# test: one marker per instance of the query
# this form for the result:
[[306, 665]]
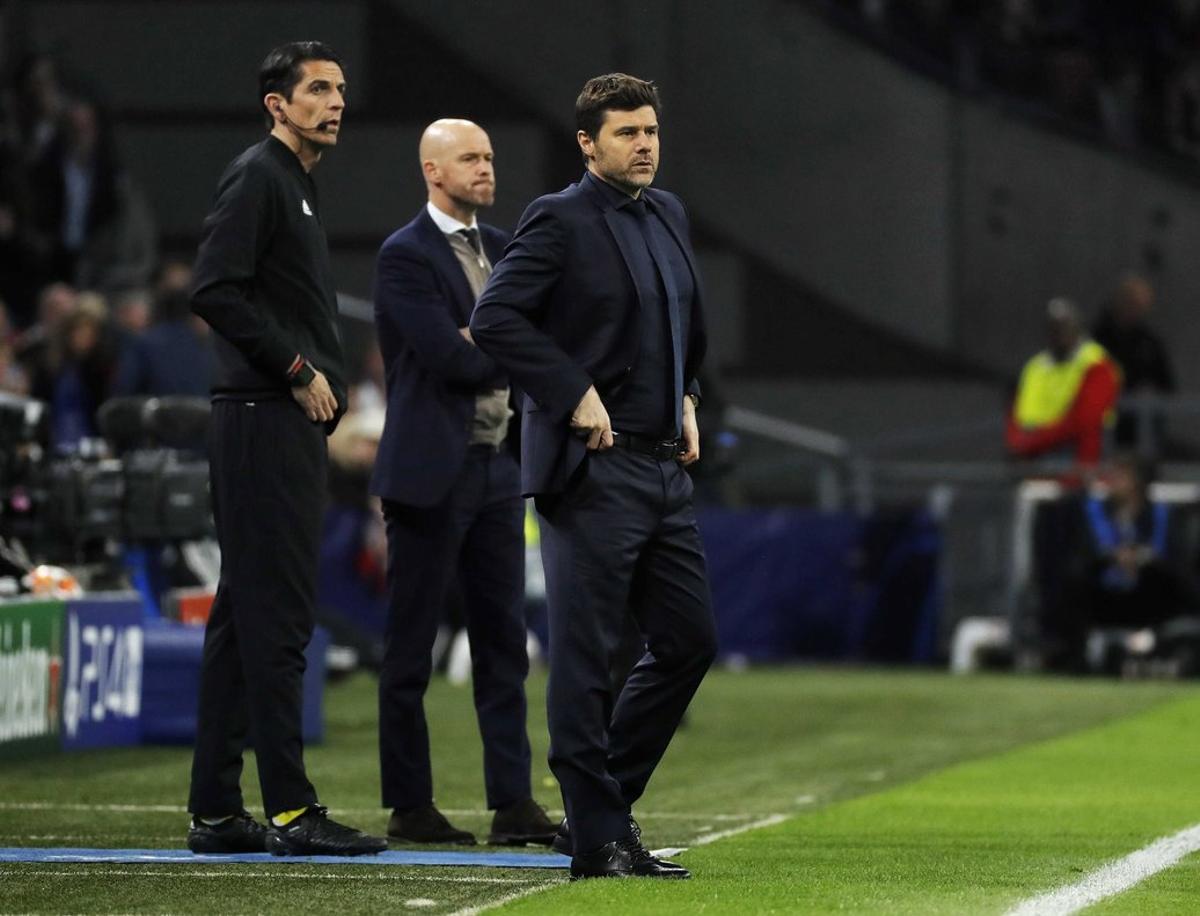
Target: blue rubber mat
[[183, 857]]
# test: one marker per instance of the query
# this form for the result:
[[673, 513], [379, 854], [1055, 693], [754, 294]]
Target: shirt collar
[[448, 224], [285, 154], [615, 197]]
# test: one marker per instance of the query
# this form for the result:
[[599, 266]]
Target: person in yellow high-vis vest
[[1066, 394]]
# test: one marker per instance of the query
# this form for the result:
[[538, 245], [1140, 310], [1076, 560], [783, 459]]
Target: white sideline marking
[[232, 873], [669, 851], [558, 813], [507, 898], [734, 831], [1113, 878], [452, 812]]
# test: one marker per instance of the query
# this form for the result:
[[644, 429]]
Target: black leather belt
[[661, 449]]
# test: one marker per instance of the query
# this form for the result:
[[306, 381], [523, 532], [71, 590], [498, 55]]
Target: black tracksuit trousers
[[268, 471]]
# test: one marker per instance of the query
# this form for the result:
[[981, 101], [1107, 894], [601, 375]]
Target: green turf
[[1169, 893], [975, 838], [789, 741]]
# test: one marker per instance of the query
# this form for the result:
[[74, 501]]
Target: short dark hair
[[283, 66], [612, 92], [1143, 468]]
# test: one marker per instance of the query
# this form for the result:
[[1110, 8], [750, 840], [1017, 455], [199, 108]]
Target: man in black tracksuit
[[263, 281]]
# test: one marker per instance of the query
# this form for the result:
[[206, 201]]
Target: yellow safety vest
[[1048, 388]]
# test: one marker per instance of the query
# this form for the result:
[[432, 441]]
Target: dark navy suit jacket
[[422, 298], [561, 311]]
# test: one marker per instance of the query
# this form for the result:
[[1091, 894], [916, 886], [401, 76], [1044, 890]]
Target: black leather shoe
[[240, 833], [609, 861], [522, 823], [426, 825], [313, 833], [562, 840], [644, 864]]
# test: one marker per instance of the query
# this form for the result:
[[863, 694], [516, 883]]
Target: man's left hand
[[691, 434]]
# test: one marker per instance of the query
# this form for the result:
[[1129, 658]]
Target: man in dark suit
[[595, 312], [451, 498]]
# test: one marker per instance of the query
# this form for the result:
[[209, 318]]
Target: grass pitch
[[900, 792]]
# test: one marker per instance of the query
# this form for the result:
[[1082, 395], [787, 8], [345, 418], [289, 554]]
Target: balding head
[[456, 159], [442, 136]]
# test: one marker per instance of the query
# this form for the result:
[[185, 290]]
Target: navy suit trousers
[[477, 533], [622, 539]]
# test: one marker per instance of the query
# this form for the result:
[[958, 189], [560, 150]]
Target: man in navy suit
[[451, 498], [596, 313]]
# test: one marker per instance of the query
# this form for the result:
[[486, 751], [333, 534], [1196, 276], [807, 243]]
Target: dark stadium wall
[[873, 207], [939, 218]]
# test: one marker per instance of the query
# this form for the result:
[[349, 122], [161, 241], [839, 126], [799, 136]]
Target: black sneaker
[[426, 825], [522, 823], [313, 833], [240, 833]]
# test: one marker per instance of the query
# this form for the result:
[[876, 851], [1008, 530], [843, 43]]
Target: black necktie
[[671, 289], [472, 237]]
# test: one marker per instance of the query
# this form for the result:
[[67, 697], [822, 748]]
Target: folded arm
[[409, 303]]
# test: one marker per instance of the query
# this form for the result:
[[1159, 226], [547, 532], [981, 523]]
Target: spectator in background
[[32, 110], [174, 277], [1066, 393], [1123, 329], [39, 103], [54, 303], [173, 357], [77, 373], [74, 183], [1129, 569], [13, 379], [95, 224], [133, 312]]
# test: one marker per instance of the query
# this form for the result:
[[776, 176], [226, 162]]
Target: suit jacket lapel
[[697, 324], [492, 247], [624, 235], [446, 262], [682, 242]]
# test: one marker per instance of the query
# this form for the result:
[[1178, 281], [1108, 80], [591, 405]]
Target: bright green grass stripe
[[1173, 892], [754, 743], [975, 838]]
